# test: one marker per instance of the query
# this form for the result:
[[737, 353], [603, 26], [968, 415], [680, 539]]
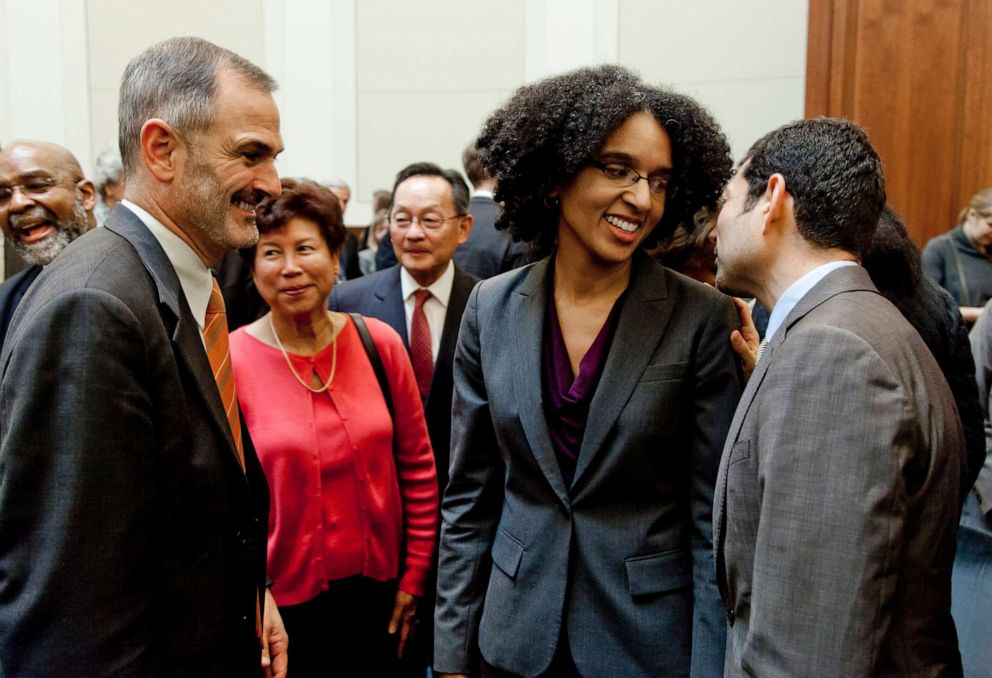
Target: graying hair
[[108, 168], [336, 183], [175, 81]]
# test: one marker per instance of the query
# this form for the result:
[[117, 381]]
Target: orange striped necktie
[[219, 354]]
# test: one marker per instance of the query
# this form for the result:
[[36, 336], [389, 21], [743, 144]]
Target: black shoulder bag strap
[[380, 370]]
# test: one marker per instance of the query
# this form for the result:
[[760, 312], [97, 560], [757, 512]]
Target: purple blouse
[[566, 399]]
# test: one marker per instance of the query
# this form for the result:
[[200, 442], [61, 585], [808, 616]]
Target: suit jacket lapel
[[846, 279], [460, 291], [389, 293], [643, 318], [186, 339], [528, 307]]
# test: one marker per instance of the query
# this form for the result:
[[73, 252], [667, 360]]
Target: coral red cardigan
[[342, 502]]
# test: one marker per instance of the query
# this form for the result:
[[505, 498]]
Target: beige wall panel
[[234, 24], [395, 129], [439, 45], [673, 41], [747, 109]]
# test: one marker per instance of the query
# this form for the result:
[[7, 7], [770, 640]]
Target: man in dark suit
[[487, 252], [45, 203], [429, 220], [133, 510], [838, 495]]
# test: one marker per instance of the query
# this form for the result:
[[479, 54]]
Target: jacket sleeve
[[470, 509], [76, 491], [716, 392], [414, 462]]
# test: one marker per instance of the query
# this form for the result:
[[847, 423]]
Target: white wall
[[367, 86]]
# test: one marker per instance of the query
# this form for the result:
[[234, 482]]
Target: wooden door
[[916, 74]]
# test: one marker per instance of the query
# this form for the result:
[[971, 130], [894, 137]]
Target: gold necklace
[[334, 360]]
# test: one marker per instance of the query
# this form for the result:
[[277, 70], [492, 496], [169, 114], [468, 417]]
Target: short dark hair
[[474, 170], [832, 173], [892, 260], [176, 80], [305, 200], [459, 189], [547, 132]]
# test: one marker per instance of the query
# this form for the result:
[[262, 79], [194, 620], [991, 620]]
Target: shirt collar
[[441, 289], [194, 277], [479, 193], [797, 291]]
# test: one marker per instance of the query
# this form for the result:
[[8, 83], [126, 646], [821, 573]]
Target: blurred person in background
[[45, 204], [109, 179], [373, 236], [960, 260]]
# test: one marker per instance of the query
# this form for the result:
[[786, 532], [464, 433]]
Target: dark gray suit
[[488, 252], [837, 504], [380, 295], [619, 560], [131, 541]]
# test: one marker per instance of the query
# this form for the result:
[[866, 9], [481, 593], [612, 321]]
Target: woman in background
[[354, 496], [960, 260]]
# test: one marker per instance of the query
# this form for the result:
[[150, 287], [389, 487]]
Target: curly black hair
[[540, 139]]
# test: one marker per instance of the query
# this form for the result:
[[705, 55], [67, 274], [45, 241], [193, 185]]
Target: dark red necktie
[[420, 344]]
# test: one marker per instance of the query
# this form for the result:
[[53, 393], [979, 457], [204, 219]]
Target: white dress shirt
[[796, 291], [194, 276], [436, 306]]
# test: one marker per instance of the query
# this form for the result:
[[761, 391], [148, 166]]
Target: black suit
[[380, 296], [131, 541], [11, 292], [488, 252]]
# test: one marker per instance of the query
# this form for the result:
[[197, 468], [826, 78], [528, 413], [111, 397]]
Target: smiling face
[[605, 220], [294, 269], [424, 252], [51, 205], [978, 227], [229, 168]]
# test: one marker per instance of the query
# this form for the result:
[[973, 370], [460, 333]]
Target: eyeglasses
[[429, 222], [622, 175], [33, 188]]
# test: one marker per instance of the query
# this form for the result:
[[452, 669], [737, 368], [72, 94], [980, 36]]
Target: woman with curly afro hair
[[593, 393]]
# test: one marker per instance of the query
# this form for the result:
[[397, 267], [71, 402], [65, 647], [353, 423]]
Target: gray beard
[[44, 253]]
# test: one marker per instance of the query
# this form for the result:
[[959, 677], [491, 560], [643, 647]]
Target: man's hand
[[745, 340], [275, 642], [402, 620]]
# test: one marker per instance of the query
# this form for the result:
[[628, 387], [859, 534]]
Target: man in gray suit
[[838, 495], [133, 510]]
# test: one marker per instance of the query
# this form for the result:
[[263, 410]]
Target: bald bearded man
[[45, 204]]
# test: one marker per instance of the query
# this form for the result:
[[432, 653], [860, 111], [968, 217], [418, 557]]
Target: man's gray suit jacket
[[837, 503], [619, 559], [131, 541]]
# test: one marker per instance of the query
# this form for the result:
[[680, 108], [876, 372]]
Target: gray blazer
[[618, 560], [837, 503]]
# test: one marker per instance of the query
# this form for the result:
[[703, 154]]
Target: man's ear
[[465, 228], [160, 146], [778, 202], [88, 191]]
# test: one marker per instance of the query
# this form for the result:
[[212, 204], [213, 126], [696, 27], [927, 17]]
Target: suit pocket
[[741, 451], [507, 553], [658, 572], [665, 372]]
